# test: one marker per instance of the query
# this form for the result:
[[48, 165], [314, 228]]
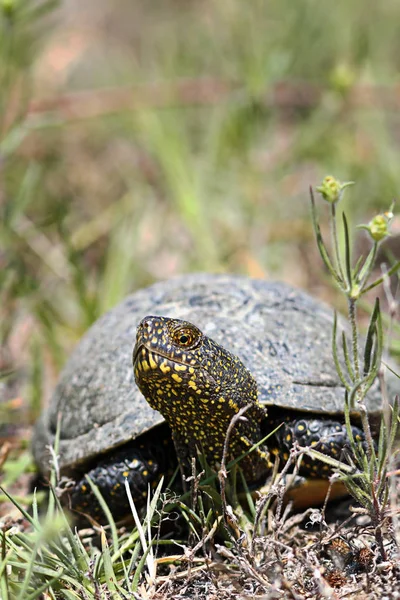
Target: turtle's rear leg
[[328, 436]]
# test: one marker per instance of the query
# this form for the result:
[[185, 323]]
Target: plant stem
[[377, 519], [354, 337], [366, 427]]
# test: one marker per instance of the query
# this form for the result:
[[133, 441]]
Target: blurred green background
[[140, 140]]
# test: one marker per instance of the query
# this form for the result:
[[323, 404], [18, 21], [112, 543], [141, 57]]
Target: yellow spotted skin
[[198, 387], [326, 435]]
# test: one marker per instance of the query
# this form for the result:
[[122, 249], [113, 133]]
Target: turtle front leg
[[325, 435], [140, 464]]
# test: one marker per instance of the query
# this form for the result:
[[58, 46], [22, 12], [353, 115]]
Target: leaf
[[335, 354], [347, 252], [371, 334], [320, 242], [347, 357], [394, 424], [367, 267], [391, 272]]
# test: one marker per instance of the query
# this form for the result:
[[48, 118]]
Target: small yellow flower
[[331, 189]]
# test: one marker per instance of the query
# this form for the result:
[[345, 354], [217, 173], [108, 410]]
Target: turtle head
[[198, 387], [175, 363], [195, 383]]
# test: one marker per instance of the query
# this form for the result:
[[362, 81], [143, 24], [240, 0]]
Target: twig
[[222, 473]]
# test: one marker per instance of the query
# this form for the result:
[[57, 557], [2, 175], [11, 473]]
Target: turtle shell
[[281, 334]]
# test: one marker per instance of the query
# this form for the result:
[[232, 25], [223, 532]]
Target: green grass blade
[[44, 587], [106, 510], [134, 558], [139, 570], [27, 516], [108, 566], [247, 492], [29, 570], [80, 555]]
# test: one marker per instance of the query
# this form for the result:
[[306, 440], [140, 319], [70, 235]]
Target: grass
[[130, 153]]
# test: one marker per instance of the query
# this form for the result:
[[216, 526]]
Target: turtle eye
[[185, 337]]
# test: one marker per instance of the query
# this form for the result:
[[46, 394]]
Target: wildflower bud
[[378, 227], [342, 78], [331, 189], [7, 6]]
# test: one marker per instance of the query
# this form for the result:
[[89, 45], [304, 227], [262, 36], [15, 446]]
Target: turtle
[[261, 343]]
